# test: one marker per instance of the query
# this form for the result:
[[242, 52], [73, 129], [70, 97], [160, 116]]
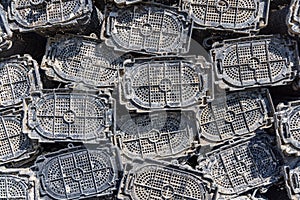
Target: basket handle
[[37, 2], [129, 182]]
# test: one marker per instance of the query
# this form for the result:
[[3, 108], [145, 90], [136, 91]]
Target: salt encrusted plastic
[[239, 167], [17, 183], [255, 61], [292, 178], [160, 135], [81, 60], [78, 173], [149, 29], [69, 116], [150, 179], [242, 16], [293, 18], [288, 127], [166, 83], [19, 76], [49, 15], [5, 32], [235, 115]]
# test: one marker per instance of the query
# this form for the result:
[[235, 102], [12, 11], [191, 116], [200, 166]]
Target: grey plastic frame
[[291, 173], [5, 32], [293, 21]]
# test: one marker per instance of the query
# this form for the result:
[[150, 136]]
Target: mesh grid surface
[[236, 15], [153, 181], [242, 167], [293, 17], [69, 116], [78, 173], [81, 60], [12, 187], [160, 135], [150, 29], [254, 61], [5, 32], [13, 142], [158, 84], [42, 14], [238, 114]]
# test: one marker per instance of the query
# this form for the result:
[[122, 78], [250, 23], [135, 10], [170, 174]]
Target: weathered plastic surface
[[17, 184], [288, 127], [240, 167], [49, 15], [5, 32], [292, 177], [150, 179], [148, 29], [235, 115], [18, 77], [167, 83], [65, 115], [78, 173], [161, 135], [255, 62], [81, 60], [243, 16], [293, 18]]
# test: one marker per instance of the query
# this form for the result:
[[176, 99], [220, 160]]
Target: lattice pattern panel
[[158, 135], [77, 173], [18, 77], [49, 15], [255, 62], [288, 127], [293, 18], [5, 32], [148, 29], [242, 16], [81, 60], [165, 83], [63, 115], [234, 115], [154, 180], [240, 167]]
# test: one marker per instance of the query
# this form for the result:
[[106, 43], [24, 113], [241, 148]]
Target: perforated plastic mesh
[[156, 181], [159, 135], [18, 76], [5, 32], [235, 115], [240, 167], [13, 141], [13, 187], [233, 15], [154, 84], [255, 61], [40, 15], [293, 18], [61, 115], [80, 59], [150, 29], [78, 173]]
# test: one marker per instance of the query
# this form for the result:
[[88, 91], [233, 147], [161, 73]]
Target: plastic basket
[[69, 116], [292, 177], [158, 135], [287, 127], [167, 83], [81, 60], [154, 180], [18, 77], [17, 184], [235, 115], [78, 173], [49, 15], [242, 16], [240, 167], [255, 62], [148, 29], [293, 18], [5, 32]]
